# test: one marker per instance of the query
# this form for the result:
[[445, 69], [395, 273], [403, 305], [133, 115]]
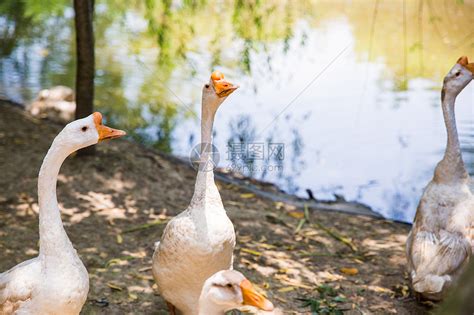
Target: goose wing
[[450, 254], [16, 284]]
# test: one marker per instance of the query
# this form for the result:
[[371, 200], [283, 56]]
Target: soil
[[115, 205]]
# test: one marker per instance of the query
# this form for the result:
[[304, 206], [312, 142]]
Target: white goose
[[199, 241], [439, 244], [227, 290], [55, 282]]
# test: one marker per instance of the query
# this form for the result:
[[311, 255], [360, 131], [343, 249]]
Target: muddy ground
[[115, 205]]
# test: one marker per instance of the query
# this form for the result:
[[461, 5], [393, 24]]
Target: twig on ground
[[143, 226], [304, 220], [333, 234]]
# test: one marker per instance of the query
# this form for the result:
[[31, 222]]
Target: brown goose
[[439, 243]]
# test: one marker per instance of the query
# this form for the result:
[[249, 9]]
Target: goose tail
[[431, 286]]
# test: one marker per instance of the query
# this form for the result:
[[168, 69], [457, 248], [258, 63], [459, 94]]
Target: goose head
[[84, 132], [229, 289], [459, 76], [217, 90]]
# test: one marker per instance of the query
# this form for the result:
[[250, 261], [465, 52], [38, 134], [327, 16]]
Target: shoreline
[[256, 186]]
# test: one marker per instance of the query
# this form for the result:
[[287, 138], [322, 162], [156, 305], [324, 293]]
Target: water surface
[[349, 90]]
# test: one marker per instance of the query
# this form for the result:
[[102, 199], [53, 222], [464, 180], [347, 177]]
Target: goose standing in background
[[227, 290], [55, 282], [199, 241], [439, 243]]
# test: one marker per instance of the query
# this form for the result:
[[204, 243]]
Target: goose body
[[440, 243], [199, 241], [40, 287], [192, 248], [55, 282]]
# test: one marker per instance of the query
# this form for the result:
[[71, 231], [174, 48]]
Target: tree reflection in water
[[153, 56]]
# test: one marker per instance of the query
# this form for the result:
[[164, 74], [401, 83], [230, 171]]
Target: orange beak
[[470, 67], [222, 87], [104, 131], [253, 298], [463, 61]]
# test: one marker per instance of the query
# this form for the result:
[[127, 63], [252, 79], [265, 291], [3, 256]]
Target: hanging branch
[[420, 35], [405, 48]]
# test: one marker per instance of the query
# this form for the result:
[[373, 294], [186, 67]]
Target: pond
[[342, 98]]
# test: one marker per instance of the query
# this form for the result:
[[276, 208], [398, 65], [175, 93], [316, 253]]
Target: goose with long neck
[[200, 240], [439, 243], [55, 282], [227, 290]]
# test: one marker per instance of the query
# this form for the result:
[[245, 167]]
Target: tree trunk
[[85, 68], [461, 300]]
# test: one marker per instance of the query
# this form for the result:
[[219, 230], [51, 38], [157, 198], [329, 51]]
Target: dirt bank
[[116, 204]]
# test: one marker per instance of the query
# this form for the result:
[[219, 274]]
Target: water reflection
[[370, 128]]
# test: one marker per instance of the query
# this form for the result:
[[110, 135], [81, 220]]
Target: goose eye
[[229, 285], [84, 128], [207, 86]]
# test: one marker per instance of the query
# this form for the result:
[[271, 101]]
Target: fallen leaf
[[311, 233], [405, 291], [328, 276], [113, 286], [143, 277], [278, 205], [119, 239], [402, 290], [244, 238], [296, 214], [378, 289], [247, 196], [350, 271], [251, 251], [296, 284], [266, 246], [286, 289], [118, 261]]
